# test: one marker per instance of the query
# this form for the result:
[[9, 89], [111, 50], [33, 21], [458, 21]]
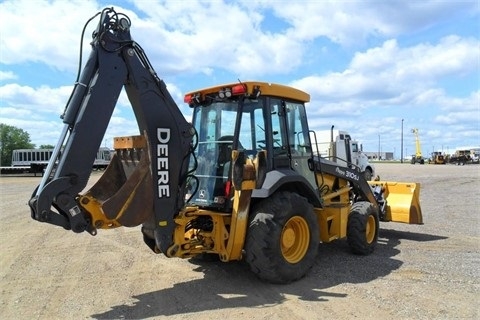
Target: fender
[[286, 179]]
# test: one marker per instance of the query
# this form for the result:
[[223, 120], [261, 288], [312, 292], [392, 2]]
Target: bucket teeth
[[124, 192]]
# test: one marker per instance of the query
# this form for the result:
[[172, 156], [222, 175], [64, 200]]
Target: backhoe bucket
[[123, 195], [403, 201]]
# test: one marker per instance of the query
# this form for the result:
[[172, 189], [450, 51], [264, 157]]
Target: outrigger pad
[[403, 201]]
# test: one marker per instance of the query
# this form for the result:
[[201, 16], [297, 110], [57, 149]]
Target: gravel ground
[[428, 271]]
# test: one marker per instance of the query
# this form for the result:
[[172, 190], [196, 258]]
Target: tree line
[[12, 138]]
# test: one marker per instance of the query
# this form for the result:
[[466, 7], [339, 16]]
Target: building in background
[[376, 156]]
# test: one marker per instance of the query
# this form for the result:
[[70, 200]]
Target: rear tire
[[282, 238], [362, 228]]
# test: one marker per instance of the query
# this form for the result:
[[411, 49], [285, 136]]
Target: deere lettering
[[163, 136]]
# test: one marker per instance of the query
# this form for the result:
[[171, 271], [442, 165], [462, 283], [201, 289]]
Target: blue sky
[[366, 64]]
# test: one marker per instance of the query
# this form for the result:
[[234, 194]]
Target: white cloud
[[425, 62], [49, 31], [447, 103], [14, 112], [36, 101], [194, 36], [7, 75], [40, 131], [392, 75], [352, 22], [263, 39]]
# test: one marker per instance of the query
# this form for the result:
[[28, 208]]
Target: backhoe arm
[[150, 175]]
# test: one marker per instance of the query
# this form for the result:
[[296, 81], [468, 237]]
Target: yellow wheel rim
[[295, 239], [370, 230]]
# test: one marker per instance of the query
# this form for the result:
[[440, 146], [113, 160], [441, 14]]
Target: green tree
[[12, 138], [46, 146]]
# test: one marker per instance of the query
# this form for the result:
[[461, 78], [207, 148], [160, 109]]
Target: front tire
[[362, 228], [368, 174], [282, 238]]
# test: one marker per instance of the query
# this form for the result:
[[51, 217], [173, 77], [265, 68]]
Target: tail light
[[239, 89], [228, 188]]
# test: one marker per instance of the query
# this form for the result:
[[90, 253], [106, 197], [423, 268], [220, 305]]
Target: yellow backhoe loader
[[241, 181]]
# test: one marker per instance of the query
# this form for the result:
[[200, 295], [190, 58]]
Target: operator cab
[[247, 117]]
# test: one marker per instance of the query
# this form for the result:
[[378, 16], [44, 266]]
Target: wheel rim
[[370, 230], [295, 239]]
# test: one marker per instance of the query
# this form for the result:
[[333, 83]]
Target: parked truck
[[464, 156], [338, 146]]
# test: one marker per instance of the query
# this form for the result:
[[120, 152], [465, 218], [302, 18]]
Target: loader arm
[[155, 182]]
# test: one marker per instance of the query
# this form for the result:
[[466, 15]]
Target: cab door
[[291, 139]]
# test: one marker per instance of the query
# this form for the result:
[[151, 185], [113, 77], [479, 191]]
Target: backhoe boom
[[117, 62]]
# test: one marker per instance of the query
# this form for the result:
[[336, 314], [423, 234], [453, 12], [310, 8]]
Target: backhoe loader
[[241, 181]]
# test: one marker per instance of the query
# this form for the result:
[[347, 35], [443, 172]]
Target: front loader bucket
[[403, 201]]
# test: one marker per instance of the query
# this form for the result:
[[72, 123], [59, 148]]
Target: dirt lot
[[417, 272]]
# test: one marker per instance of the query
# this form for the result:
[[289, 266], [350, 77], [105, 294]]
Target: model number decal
[[163, 137], [347, 174], [352, 175]]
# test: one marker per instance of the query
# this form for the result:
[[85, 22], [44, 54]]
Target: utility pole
[[401, 147], [379, 147]]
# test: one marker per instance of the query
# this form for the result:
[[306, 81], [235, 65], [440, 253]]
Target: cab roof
[[251, 88]]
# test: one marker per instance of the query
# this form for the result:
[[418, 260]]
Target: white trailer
[[36, 160]]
